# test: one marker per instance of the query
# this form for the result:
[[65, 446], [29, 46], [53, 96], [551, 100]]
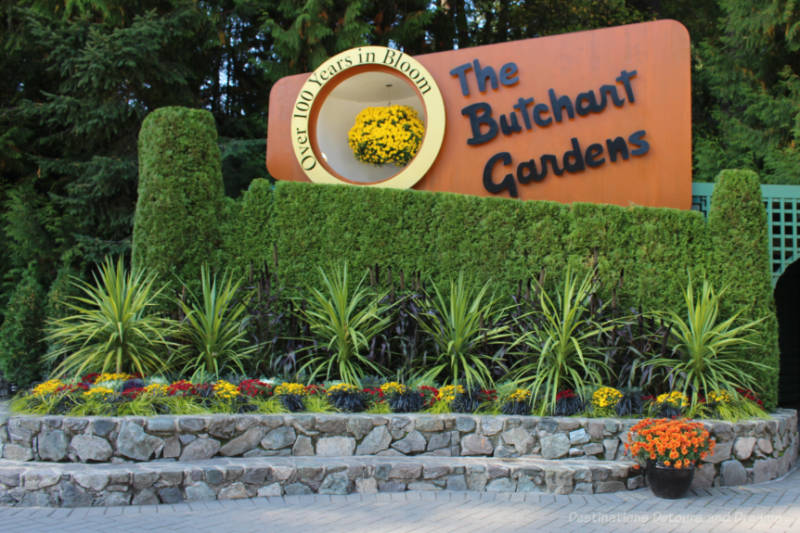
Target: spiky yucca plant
[[557, 352], [343, 319], [461, 321], [708, 353], [113, 327], [213, 333]]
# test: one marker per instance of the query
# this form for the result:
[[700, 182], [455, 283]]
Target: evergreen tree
[[21, 334], [751, 73]]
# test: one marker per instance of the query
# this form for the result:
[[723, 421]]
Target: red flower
[[375, 392], [429, 394], [255, 387], [89, 378], [314, 389], [181, 388], [133, 393], [566, 393], [73, 388], [750, 395]]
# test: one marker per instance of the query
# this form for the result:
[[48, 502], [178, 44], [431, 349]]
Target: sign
[[599, 116]]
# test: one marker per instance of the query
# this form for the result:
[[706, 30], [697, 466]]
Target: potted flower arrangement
[[669, 448]]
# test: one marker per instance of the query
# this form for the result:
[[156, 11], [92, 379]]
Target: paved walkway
[[773, 506]]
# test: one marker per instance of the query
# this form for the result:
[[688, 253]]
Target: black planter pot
[[669, 482]]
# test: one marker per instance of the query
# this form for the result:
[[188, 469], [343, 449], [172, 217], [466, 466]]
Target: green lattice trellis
[[783, 205]]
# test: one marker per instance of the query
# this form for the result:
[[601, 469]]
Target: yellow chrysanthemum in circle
[[390, 134]]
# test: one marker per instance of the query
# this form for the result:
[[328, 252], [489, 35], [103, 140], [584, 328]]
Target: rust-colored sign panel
[[597, 116]]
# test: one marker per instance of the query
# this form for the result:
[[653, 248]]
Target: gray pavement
[[773, 506]]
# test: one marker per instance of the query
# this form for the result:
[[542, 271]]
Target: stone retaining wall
[[746, 452], [80, 485]]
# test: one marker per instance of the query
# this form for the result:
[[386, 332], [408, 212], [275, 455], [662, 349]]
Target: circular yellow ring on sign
[[313, 93]]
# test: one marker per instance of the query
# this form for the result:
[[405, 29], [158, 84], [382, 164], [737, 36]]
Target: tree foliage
[[79, 76]]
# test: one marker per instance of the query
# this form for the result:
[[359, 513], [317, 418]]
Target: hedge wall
[[644, 254], [507, 241], [739, 260], [176, 226]]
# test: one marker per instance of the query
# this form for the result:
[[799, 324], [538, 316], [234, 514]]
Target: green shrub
[[739, 259], [248, 237], [176, 225], [21, 332], [437, 234]]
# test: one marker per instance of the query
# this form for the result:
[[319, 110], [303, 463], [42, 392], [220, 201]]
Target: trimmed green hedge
[[644, 255], [177, 222], [739, 260], [507, 241]]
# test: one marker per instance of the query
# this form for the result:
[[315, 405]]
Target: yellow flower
[[391, 134], [520, 395], [107, 376], [290, 388], [156, 389], [392, 387], [676, 398], [342, 387], [605, 397], [225, 390], [448, 392], [48, 387], [721, 396], [98, 391]]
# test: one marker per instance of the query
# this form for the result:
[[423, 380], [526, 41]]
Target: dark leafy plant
[[135, 383], [112, 326], [275, 327], [461, 322], [292, 402], [630, 344], [409, 401], [516, 408], [630, 404], [668, 410], [349, 401], [568, 404], [466, 402], [402, 342]]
